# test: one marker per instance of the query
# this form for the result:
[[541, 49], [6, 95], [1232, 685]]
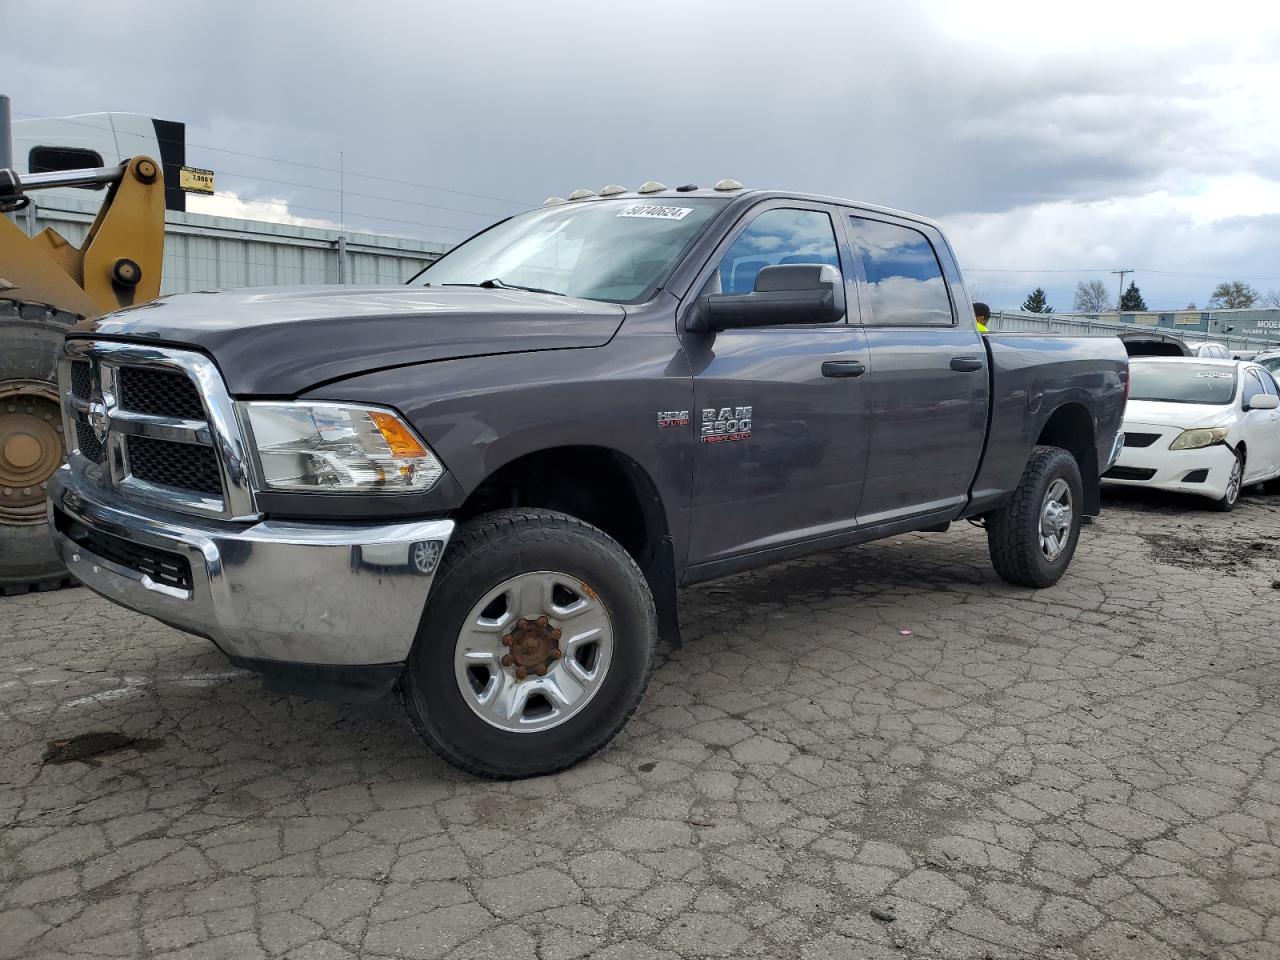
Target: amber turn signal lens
[[399, 439]]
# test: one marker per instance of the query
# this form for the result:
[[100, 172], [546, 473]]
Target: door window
[[774, 237], [903, 275]]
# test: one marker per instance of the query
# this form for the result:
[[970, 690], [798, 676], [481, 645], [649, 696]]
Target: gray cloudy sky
[[1061, 144]]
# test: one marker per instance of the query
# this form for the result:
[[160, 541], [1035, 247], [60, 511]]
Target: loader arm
[[46, 285]]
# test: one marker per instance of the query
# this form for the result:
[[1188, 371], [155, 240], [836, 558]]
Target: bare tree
[[1271, 298], [1233, 295], [1091, 297]]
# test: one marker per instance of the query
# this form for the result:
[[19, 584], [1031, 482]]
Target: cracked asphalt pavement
[[1091, 771]]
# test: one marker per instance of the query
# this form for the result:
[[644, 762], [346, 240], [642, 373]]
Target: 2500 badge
[[726, 423]]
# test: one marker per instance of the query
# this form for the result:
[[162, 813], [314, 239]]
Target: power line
[[295, 163], [1079, 270]]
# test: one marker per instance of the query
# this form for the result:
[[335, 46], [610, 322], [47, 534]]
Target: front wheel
[[1033, 537], [535, 648], [1235, 481]]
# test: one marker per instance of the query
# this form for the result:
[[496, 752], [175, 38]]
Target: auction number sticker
[[1214, 376], [653, 211]]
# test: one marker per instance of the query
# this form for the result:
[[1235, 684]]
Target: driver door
[[781, 411]]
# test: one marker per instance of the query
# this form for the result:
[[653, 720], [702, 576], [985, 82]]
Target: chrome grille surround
[[111, 424]]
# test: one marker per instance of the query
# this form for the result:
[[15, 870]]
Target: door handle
[[966, 364], [843, 368]]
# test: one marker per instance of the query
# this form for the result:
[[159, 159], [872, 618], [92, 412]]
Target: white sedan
[[1208, 427]]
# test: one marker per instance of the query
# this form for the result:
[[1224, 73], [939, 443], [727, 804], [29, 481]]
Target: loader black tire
[[1014, 531], [484, 553], [31, 337]]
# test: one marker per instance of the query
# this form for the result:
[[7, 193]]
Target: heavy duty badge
[[726, 423]]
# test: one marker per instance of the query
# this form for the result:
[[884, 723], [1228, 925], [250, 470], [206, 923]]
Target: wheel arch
[[1071, 427], [603, 487]]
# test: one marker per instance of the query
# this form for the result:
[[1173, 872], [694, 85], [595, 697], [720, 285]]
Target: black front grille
[[81, 378], [1129, 473], [1140, 439], [88, 443], [183, 465], [169, 569], [162, 393]]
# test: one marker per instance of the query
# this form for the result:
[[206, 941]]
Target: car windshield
[[1271, 363], [1178, 382], [613, 250]]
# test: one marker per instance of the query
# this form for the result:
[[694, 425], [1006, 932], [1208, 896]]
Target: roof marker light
[[581, 194], [612, 190], [727, 184], [652, 186], [552, 201]]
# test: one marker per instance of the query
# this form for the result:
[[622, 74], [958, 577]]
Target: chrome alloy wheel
[[1055, 520], [533, 651], [1234, 482]]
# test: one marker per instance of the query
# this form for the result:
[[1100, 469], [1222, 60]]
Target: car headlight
[[338, 448], [1202, 437]]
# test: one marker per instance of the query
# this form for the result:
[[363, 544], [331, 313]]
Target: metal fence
[[1084, 326], [203, 252]]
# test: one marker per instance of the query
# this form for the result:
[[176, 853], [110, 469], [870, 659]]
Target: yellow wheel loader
[[46, 285]]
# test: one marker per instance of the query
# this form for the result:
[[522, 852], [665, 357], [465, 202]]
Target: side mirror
[[1263, 401], [784, 293]]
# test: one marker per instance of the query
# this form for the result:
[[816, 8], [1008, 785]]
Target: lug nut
[[542, 621], [555, 634], [508, 660], [506, 641], [555, 654], [521, 673], [522, 623], [540, 670]]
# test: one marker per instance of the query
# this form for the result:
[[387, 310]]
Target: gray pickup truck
[[483, 489]]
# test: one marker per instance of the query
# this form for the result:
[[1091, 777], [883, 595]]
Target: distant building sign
[[195, 180], [1188, 319]]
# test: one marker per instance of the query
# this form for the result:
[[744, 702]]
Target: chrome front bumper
[[329, 594]]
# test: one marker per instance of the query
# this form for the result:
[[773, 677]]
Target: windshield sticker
[[653, 211], [1214, 376]]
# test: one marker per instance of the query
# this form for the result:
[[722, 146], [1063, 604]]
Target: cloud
[[273, 209], [1096, 134]]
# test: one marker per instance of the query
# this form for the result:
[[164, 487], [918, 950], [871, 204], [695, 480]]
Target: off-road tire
[[1013, 531], [31, 337], [485, 552]]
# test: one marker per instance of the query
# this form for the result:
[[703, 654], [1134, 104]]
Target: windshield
[[614, 250], [1271, 363], [1177, 382]]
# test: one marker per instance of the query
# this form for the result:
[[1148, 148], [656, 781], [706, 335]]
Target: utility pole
[[6, 135], [1122, 276]]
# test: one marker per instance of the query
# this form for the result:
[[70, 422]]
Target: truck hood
[[279, 341]]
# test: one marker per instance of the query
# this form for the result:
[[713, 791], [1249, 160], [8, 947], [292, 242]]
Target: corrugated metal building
[[203, 252]]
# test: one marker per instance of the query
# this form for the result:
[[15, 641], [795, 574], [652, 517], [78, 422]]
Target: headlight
[[338, 447], [1194, 439]]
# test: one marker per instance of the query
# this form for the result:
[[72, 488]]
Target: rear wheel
[[535, 648], [31, 443], [1033, 537]]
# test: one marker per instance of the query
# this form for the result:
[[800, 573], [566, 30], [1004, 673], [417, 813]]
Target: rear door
[[928, 378], [781, 411]]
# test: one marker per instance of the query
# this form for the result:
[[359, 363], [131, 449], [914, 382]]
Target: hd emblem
[[726, 423]]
